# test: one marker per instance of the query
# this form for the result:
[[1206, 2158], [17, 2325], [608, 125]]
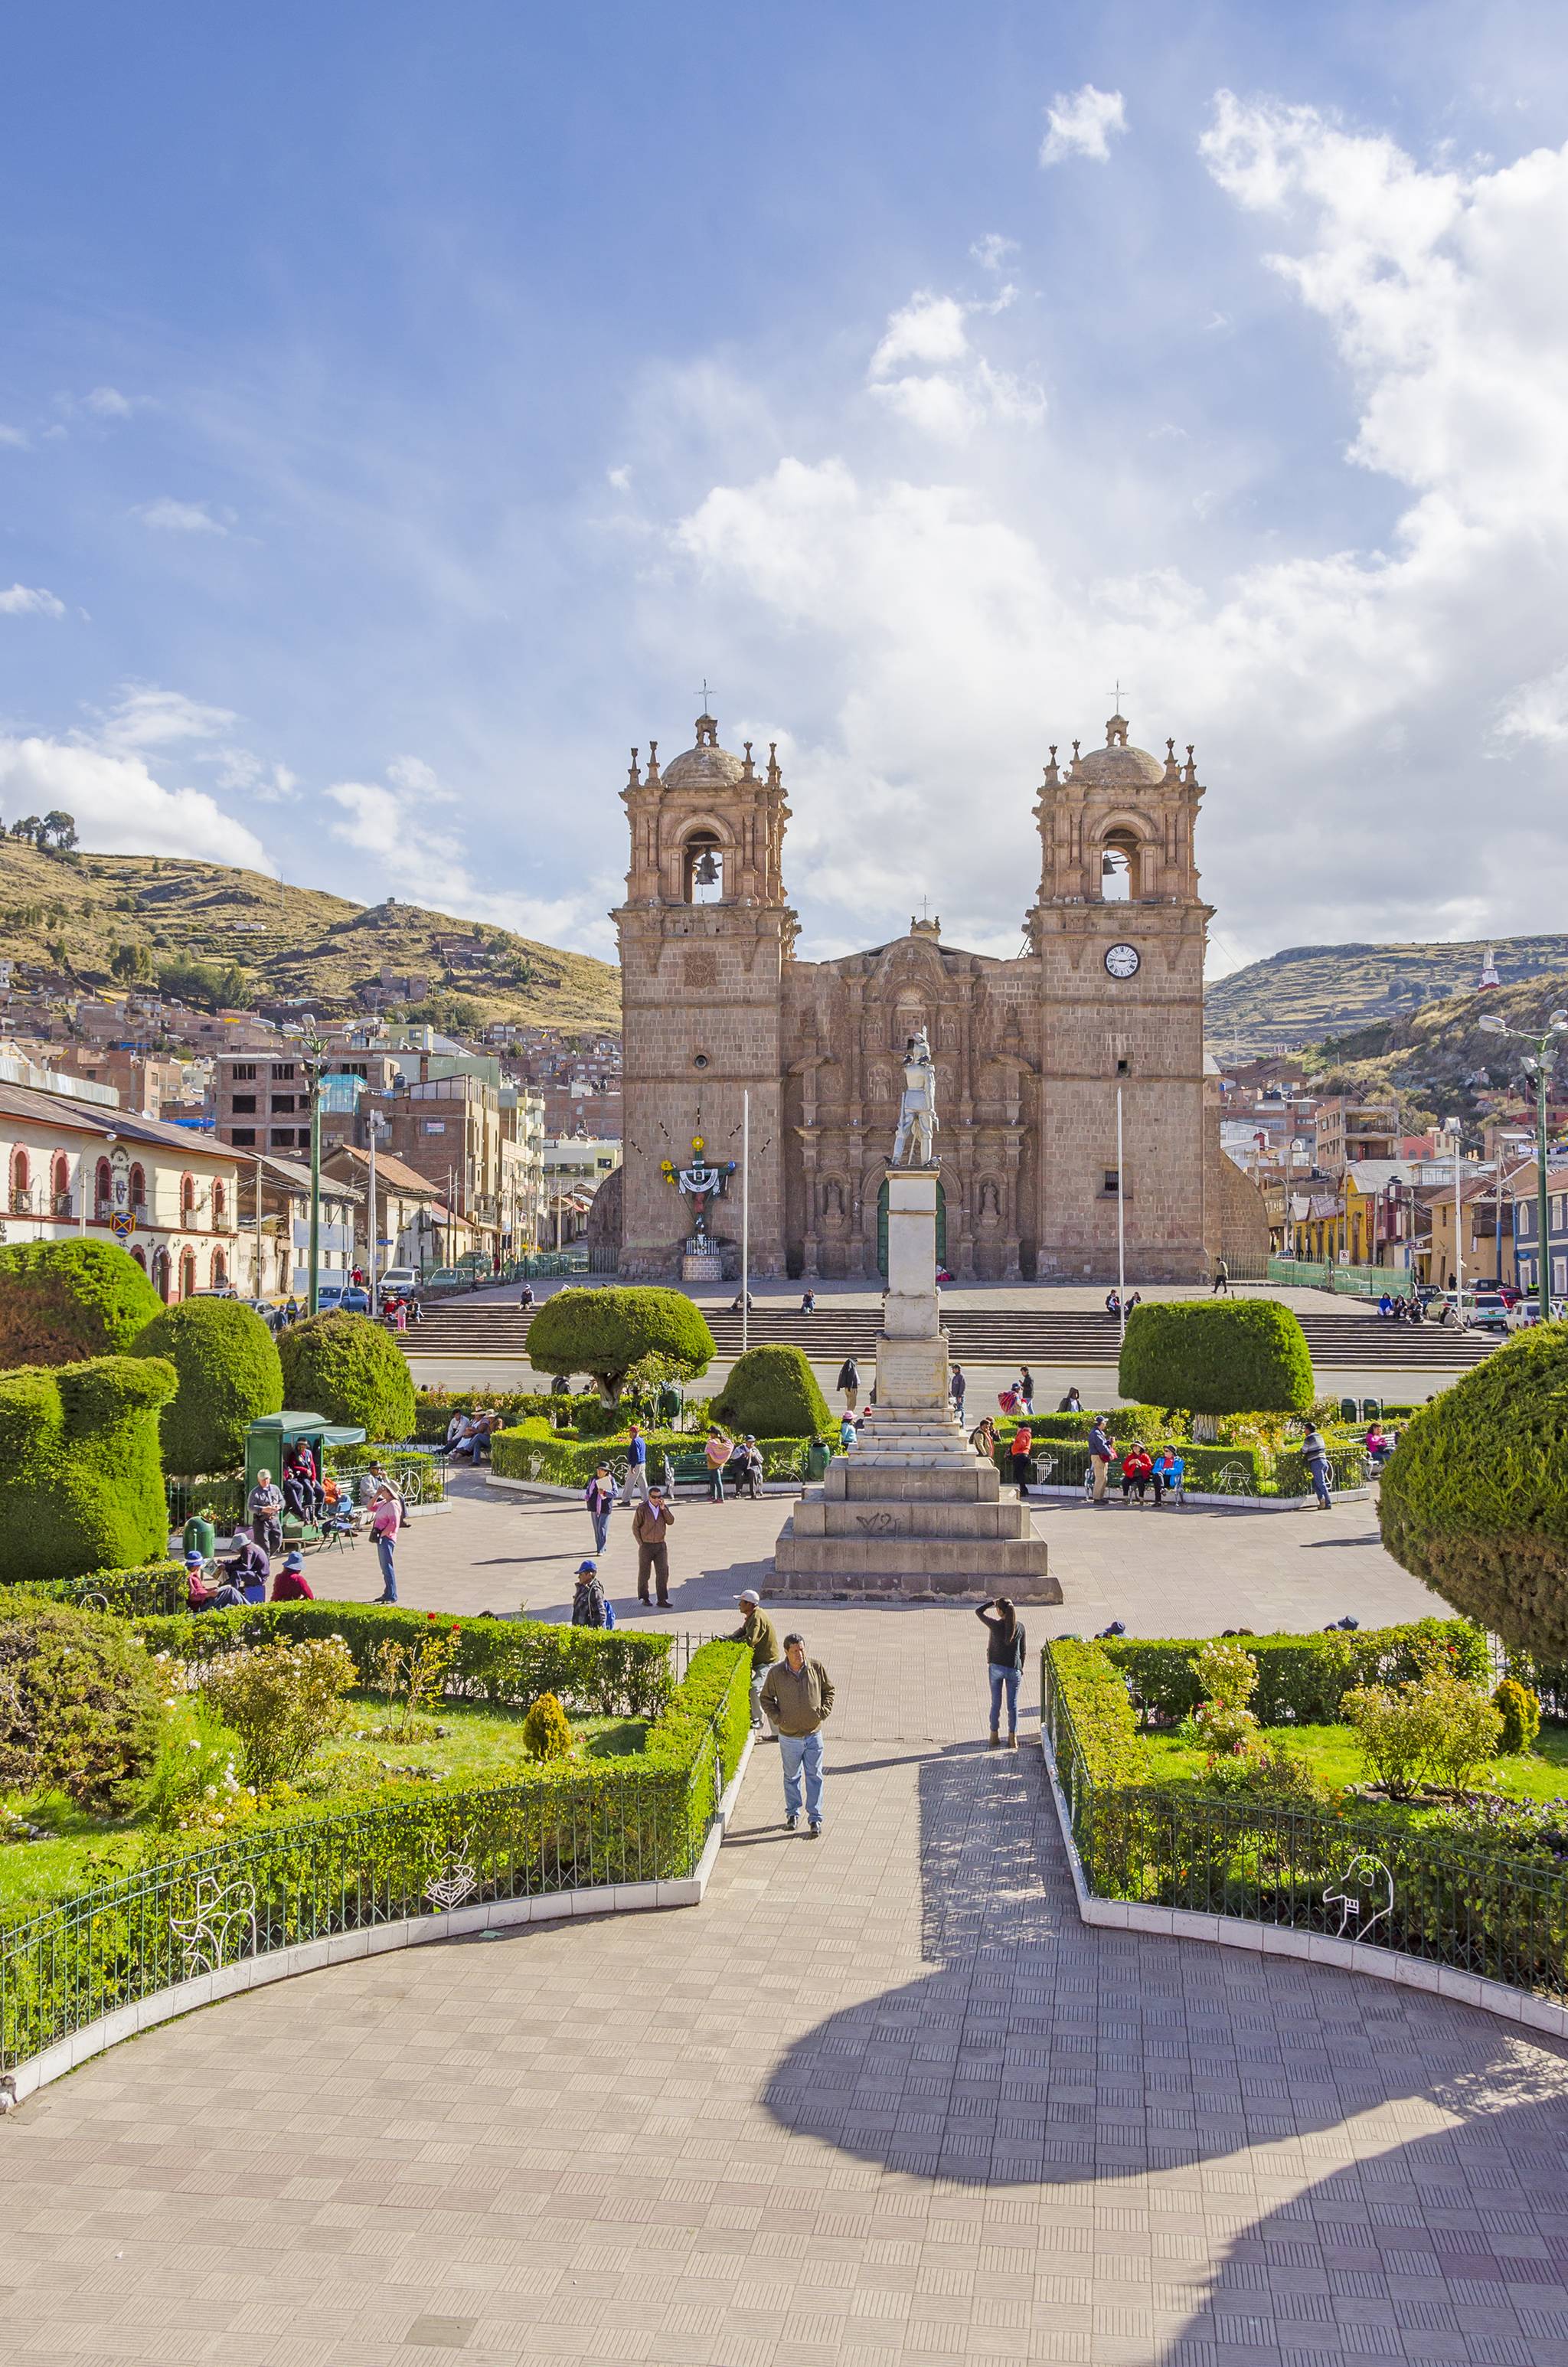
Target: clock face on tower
[[1123, 961]]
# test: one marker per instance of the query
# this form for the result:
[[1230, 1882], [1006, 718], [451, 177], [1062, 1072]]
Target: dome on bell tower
[[1116, 764], [705, 766]]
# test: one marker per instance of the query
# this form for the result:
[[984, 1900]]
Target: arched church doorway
[[882, 1228]]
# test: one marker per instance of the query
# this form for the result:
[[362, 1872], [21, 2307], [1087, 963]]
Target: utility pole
[[1458, 1232], [260, 1245], [315, 1054], [1121, 1221], [1538, 1064], [745, 1218], [373, 1127]]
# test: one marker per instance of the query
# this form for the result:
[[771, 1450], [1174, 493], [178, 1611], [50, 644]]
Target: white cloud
[[1079, 123], [108, 402], [168, 516], [120, 807], [14, 436], [1538, 710], [930, 328], [146, 717], [994, 253], [620, 478], [24, 600]]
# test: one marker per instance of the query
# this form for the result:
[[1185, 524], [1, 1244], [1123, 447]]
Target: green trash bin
[[1347, 1409], [819, 1455], [199, 1537], [1371, 1409]]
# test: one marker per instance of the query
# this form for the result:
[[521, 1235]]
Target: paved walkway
[[883, 2101]]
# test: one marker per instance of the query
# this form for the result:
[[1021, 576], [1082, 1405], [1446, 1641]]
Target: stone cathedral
[[1031, 1054]]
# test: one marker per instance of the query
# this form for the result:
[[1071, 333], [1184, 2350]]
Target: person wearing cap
[[651, 1525], [749, 1467], [599, 1496], [264, 1506], [385, 1518], [199, 1596], [758, 1630], [587, 1597], [291, 1585], [247, 1569], [798, 1697]]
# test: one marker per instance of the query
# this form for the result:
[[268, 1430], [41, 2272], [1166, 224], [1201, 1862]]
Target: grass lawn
[[1336, 1754], [480, 1745]]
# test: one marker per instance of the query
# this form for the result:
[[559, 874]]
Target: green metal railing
[[1348, 1281], [1433, 1895]]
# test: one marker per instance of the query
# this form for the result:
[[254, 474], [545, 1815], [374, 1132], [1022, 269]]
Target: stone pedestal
[[912, 1513]]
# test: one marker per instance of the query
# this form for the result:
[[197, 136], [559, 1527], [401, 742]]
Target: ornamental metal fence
[[1439, 1897], [118, 1942]]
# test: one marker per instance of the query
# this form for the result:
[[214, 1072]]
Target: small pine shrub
[[547, 1729], [1520, 1710]]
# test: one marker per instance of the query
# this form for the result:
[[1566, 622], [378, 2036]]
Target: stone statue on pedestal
[[914, 1145]]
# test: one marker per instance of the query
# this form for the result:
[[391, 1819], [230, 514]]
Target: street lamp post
[[1121, 1221], [1538, 1063]]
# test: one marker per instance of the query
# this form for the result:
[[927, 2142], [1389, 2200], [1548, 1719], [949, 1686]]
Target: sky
[[405, 413]]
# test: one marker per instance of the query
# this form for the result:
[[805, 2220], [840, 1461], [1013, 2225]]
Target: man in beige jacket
[[651, 1525], [798, 1695]]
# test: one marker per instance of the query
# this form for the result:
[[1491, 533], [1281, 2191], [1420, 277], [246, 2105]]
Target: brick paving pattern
[[883, 2101]]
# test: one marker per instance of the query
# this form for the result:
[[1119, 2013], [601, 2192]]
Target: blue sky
[[402, 413]]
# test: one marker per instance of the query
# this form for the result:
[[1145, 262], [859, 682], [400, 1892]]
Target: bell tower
[[1119, 931], [704, 935]]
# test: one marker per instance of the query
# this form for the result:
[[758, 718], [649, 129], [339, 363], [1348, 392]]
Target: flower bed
[[291, 1876], [1439, 1886]]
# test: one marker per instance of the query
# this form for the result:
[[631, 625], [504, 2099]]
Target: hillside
[[1440, 1061], [80, 911], [1308, 992]]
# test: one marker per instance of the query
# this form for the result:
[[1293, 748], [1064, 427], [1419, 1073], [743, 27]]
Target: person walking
[[651, 1525], [758, 1630], [264, 1505], [716, 1452], [849, 1382], [1222, 1280], [600, 1497], [587, 1597], [1026, 1392], [1071, 1403], [1020, 1446], [797, 1699], [637, 1466], [1004, 1661], [1315, 1456], [1101, 1453], [957, 1388], [385, 1518]]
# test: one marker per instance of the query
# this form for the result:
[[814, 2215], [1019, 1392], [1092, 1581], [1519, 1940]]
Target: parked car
[[448, 1277], [355, 1300], [398, 1281], [1529, 1310], [330, 1297]]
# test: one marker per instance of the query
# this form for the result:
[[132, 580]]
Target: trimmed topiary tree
[[773, 1393], [605, 1333], [1475, 1498], [80, 1480], [80, 1706], [1217, 1356], [63, 1301], [230, 1375], [347, 1367]]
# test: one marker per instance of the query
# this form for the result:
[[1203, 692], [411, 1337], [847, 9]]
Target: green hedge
[[772, 1392], [1096, 1700], [1300, 1678], [605, 1333], [81, 1485], [532, 1453], [433, 1409], [230, 1375], [312, 1873], [61, 1302], [1217, 1356], [1474, 1499], [348, 1368], [600, 1673], [156, 1587]]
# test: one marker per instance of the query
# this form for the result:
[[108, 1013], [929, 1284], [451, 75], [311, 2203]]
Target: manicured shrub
[[1520, 1710], [547, 1729], [1475, 1499], [1301, 1680], [534, 1452], [773, 1393], [1094, 1695], [433, 1409], [282, 1702], [80, 1706], [156, 1587], [605, 1333], [81, 1484], [1217, 1356], [61, 1302], [349, 1369], [230, 1375]]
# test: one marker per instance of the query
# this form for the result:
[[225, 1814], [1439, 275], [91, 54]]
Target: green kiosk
[[269, 1439]]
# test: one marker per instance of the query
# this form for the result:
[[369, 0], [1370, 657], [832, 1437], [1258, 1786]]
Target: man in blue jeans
[[798, 1697]]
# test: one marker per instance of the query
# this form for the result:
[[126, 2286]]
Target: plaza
[[882, 2101]]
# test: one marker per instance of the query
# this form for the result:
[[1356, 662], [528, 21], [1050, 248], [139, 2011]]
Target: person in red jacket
[[1137, 1470], [291, 1585]]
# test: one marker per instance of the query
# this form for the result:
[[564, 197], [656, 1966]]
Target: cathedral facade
[[1071, 1081]]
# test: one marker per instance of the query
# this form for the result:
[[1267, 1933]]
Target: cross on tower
[[704, 693], [1116, 701]]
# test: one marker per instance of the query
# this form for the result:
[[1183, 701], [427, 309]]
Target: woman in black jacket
[[1004, 1658]]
